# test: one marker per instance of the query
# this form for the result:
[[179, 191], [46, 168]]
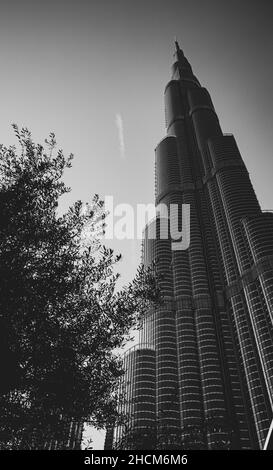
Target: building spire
[[177, 48], [178, 53], [181, 68]]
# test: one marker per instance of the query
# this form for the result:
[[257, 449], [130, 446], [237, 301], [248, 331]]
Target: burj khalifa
[[202, 374]]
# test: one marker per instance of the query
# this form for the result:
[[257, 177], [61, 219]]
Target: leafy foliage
[[60, 315]]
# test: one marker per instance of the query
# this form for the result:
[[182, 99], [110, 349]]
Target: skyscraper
[[202, 376]]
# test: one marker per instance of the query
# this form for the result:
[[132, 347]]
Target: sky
[[94, 72]]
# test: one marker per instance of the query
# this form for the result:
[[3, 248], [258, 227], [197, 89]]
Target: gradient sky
[[94, 72]]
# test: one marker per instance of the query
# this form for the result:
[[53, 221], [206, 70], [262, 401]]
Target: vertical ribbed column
[[168, 192], [237, 410], [236, 323], [205, 124], [147, 331], [210, 371], [253, 372], [122, 432], [137, 407], [237, 198], [144, 432], [259, 231], [166, 354], [191, 398]]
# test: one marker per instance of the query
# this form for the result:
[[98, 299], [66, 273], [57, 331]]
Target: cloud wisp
[[119, 124]]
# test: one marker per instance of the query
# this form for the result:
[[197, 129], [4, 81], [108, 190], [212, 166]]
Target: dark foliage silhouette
[[61, 316]]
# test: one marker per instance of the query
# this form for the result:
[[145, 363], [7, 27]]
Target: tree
[[61, 317]]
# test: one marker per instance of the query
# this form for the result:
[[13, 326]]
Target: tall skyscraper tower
[[202, 376]]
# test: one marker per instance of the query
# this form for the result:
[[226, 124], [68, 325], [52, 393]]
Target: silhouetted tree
[[60, 314]]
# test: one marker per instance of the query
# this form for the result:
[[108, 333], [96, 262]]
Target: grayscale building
[[202, 376]]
